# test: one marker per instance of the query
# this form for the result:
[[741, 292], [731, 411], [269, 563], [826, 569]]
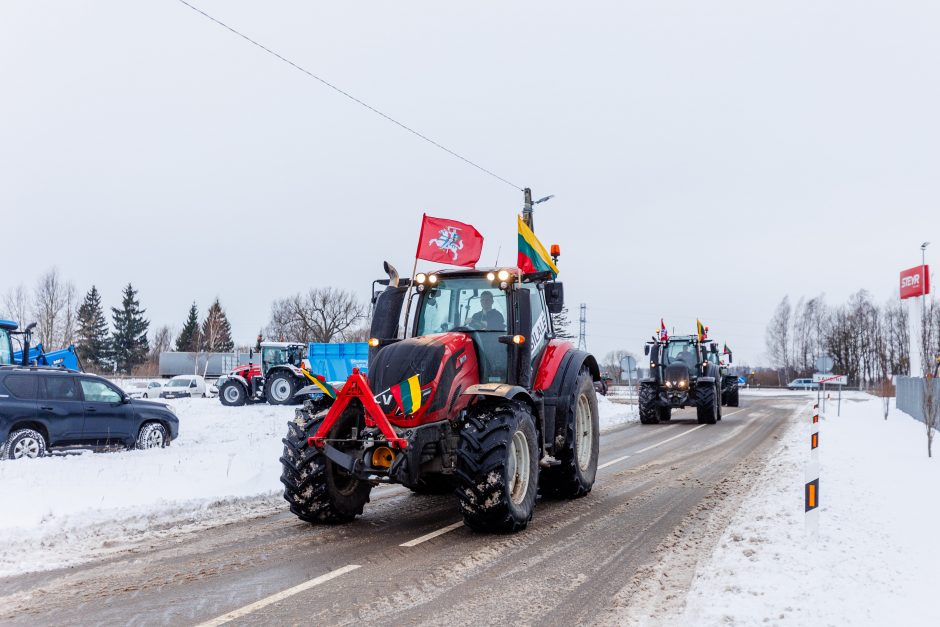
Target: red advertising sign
[[915, 281]]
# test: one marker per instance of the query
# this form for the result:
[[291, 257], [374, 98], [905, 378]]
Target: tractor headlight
[[683, 383], [503, 275], [432, 279], [490, 276], [668, 384], [421, 278]]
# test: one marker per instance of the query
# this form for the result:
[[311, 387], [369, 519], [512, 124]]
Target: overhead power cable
[[350, 96]]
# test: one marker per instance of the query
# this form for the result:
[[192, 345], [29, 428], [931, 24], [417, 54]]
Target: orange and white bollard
[[811, 478]]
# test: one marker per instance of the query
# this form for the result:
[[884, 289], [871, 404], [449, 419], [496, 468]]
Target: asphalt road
[[573, 564]]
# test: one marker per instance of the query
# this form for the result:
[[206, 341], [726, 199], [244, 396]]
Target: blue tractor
[[32, 355]]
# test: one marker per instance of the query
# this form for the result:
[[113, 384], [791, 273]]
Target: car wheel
[[25, 443], [152, 435]]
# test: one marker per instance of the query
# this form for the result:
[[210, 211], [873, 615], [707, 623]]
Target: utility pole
[[528, 207], [582, 328], [925, 361]]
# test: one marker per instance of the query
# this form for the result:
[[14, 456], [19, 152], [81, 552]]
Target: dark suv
[[42, 408]]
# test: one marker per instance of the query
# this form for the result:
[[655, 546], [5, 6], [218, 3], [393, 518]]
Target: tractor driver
[[487, 318]]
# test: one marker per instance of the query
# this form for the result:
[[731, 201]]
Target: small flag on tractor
[[532, 255], [663, 334], [408, 395], [449, 241], [702, 330], [726, 350], [325, 387]]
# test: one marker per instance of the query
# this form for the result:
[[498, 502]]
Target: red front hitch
[[357, 387]]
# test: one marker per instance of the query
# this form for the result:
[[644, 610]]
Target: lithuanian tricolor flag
[[408, 395], [532, 255], [702, 331], [325, 387]]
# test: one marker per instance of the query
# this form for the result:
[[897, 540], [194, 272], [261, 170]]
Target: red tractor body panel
[[551, 361]]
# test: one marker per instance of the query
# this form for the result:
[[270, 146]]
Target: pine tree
[[188, 339], [562, 325], [216, 330], [92, 342], [129, 346]]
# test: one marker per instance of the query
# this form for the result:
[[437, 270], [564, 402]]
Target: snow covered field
[[223, 467], [877, 558]]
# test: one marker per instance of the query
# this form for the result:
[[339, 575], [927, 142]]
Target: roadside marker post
[[811, 478]]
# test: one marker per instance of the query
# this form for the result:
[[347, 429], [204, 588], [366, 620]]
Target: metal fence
[[910, 395]]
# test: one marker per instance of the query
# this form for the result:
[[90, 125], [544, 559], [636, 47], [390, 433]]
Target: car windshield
[[178, 383], [681, 351], [462, 303], [6, 347]]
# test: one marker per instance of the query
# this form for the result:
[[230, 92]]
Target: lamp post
[[925, 361]]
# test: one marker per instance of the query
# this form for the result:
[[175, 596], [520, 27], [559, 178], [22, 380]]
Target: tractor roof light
[[421, 278], [490, 276], [503, 275], [432, 279]]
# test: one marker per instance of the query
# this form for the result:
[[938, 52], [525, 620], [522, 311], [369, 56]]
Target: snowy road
[[662, 496]]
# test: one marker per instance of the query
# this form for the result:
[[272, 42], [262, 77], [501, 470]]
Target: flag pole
[[411, 283]]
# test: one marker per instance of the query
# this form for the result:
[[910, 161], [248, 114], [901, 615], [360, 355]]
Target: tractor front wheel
[[317, 490], [707, 404], [498, 467], [233, 394], [649, 413], [574, 476], [280, 387]]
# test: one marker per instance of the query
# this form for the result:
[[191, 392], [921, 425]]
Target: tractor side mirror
[[555, 297], [646, 349]]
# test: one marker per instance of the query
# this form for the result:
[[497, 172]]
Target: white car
[[144, 389], [184, 385]]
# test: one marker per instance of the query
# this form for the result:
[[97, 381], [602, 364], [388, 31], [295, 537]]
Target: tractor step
[[548, 461]]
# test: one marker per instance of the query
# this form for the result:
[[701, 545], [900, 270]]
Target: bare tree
[[17, 304], [930, 353], [53, 308], [778, 338], [322, 314]]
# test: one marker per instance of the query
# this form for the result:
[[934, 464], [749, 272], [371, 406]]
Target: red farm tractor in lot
[[480, 399], [275, 380]]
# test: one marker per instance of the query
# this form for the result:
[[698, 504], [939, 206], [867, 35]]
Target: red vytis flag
[[449, 241]]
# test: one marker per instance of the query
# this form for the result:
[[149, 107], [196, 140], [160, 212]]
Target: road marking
[[652, 446], [612, 462], [280, 596], [432, 535]]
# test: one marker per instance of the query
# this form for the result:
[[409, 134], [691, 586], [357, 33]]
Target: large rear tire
[[733, 400], [574, 476], [279, 388], [316, 489], [233, 394], [498, 467], [649, 394], [707, 404]]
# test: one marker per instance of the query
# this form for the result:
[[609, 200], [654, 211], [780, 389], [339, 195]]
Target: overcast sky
[[706, 157]]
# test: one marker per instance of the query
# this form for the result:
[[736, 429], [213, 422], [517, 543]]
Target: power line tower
[[582, 328]]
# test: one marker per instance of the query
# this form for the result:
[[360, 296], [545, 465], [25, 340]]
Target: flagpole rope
[[351, 97]]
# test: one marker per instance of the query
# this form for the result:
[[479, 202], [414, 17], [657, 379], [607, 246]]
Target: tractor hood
[[445, 363], [677, 375]]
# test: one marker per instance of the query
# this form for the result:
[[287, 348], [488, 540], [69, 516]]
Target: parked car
[[144, 389], [602, 385], [803, 384], [183, 386], [45, 408]]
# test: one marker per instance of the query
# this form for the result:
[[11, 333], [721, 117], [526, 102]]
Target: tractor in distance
[[479, 399], [681, 375], [729, 382], [276, 379]]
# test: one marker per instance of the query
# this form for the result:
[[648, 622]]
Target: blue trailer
[[66, 357], [336, 361]]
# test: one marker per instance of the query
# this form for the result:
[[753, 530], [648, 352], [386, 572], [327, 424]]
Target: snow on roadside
[[223, 466], [614, 414], [877, 558]]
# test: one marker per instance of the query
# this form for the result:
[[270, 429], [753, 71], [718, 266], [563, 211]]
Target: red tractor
[[481, 399], [276, 380]]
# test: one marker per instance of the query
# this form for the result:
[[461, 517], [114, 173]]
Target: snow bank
[[877, 558], [224, 464], [614, 414]]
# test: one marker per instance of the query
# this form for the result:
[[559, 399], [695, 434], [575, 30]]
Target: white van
[[184, 385]]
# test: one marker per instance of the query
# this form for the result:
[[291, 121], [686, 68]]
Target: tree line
[[868, 342]]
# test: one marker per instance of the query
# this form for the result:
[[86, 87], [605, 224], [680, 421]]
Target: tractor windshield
[[6, 347], [681, 351], [278, 355], [469, 304]]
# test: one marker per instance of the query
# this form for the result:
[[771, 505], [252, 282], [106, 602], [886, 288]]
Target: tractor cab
[[281, 353], [684, 350], [6, 342]]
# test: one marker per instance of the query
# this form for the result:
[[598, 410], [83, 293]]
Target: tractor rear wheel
[[280, 387], [498, 467], [649, 414], [317, 490], [707, 404], [574, 476], [233, 394], [733, 396]]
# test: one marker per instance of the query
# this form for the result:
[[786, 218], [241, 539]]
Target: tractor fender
[[239, 378], [502, 390], [559, 394], [294, 370], [702, 380]]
